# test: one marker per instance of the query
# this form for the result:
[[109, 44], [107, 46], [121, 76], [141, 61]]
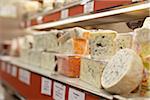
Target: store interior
[[74, 50]]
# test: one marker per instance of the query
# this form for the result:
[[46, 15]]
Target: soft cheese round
[[123, 73]]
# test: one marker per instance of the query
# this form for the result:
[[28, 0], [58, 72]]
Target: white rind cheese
[[102, 44], [123, 40], [91, 71], [123, 73]]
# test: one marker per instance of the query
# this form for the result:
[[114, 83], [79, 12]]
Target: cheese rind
[[102, 44], [123, 73], [91, 71]]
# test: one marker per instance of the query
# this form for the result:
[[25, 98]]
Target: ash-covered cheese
[[48, 61], [123, 73], [91, 71], [102, 44], [123, 40]]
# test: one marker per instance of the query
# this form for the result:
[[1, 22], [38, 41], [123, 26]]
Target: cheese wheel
[[91, 71], [123, 40], [102, 44], [123, 73]]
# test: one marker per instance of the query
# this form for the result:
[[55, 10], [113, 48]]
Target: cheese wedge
[[91, 71], [123, 73], [48, 61], [102, 44], [123, 40]]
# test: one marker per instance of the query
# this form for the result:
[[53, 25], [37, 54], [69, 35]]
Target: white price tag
[[135, 0], [3, 66], [59, 91], [64, 13], [8, 68], [39, 20], [24, 76], [84, 1], [76, 95], [14, 71], [46, 86], [89, 7]]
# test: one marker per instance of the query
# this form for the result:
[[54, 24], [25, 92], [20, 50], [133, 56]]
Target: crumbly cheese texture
[[48, 61], [123, 40], [102, 44], [91, 71], [123, 73]]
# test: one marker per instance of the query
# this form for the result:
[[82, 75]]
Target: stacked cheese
[[91, 71], [102, 44], [68, 65], [48, 61], [123, 73], [74, 41]]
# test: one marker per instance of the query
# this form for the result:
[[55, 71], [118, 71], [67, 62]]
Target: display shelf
[[132, 11], [69, 82]]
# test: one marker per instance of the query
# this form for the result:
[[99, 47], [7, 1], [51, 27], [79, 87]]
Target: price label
[[39, 20], [24, 76], [135, 0], [46, 86], [14, 71], [64, 13], [59, 91], [84, 1], [76, 95], [8, 68], [89, 7], [3, 66]]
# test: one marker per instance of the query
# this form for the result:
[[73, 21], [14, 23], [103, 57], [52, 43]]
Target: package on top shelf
[[59, 3], [30, 6], [48, 61], [48, 4], [123, 73], [123, 40], [102, 45], [91, 71], [68, 65]]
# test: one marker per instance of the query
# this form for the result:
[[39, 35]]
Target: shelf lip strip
[[75, 82], [92, 16]]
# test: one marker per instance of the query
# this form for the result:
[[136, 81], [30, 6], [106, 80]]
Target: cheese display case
[[80, 50]]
